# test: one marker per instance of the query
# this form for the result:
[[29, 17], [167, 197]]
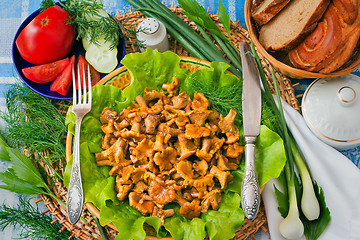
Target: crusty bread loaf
[[332, 42], [267, 9], [348, 9], [291, 25]]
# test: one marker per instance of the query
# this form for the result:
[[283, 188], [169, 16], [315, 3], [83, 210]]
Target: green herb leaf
[[17, 185], [221, 89], [195, 12], [90, 23], [32, 223], [282, 197], [34, 121], [24, 168], [45, 4], [313, 229], [224, 18], [4, 155]]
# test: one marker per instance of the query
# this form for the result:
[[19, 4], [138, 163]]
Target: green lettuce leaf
[[222, 224], [98, 186], [182, 228], [102, 96], [128, 221], [270, 159], [270, 156], [151, 69]]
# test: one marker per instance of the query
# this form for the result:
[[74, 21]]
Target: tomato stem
[[44, 22]]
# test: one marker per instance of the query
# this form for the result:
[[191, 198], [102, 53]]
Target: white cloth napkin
[[336, 174]]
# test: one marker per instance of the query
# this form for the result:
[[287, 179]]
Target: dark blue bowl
[[44, 89]]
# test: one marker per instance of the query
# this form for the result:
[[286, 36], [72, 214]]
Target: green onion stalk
[[291, 227]]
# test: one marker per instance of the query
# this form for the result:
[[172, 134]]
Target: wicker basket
[[282, 65], [89, 230]]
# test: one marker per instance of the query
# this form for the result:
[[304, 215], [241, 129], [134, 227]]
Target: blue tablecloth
[[12, 13]]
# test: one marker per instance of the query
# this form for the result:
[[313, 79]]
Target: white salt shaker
[[152, 34]]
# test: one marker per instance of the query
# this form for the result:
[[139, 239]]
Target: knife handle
[[250, 191]]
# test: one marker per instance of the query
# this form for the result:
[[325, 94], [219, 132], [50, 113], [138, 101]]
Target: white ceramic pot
[[331, 109]]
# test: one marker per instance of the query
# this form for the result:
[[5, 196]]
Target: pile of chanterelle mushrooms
[[169, 148]]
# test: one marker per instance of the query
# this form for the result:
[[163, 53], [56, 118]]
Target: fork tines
[[82, 88]]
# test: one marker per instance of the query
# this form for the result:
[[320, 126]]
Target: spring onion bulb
[[291, 227], [309, 203]]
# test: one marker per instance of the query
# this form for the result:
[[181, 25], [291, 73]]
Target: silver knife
[[251, 106]]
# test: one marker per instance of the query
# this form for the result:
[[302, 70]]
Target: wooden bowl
[[282, 65]]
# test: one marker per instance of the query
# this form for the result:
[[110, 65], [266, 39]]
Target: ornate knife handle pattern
[[250, 191]]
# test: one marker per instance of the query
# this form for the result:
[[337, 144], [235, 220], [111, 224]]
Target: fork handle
[[75, 193]]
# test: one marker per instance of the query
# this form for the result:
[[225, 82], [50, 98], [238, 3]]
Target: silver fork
[[81, 106]]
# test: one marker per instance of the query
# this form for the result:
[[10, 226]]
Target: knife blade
[[251, 106]]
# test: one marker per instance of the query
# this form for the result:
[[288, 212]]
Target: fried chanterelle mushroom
[[169, 148]]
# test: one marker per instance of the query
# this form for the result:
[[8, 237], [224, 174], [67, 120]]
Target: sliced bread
[[267, 9], [291, 25]]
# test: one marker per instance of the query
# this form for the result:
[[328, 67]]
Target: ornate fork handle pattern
[[75, 193]]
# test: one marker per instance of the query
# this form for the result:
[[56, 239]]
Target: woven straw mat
[[89, 230]]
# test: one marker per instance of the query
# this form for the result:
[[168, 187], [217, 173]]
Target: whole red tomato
[[47, 38]]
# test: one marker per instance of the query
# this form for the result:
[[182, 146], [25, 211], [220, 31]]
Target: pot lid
[[331, 109], [149, 25]]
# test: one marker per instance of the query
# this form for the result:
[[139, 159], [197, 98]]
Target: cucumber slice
[[101, 57], [85, 42]]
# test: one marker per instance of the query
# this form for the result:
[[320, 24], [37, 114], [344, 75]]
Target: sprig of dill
[[45, 4], [221, 98], [35, 122], [33, 224], [90, 23], [224, 98]]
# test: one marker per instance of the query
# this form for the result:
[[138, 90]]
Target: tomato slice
[[46, 72], [63, 82], [95, 75]]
